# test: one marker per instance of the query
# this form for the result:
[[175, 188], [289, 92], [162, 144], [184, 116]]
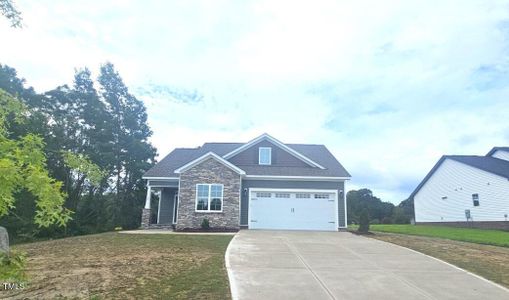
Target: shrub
[[374, 221], [205, 224], [118, 229], [12, 266], [364, 221]]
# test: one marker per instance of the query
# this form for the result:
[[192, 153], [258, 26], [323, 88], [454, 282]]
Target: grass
[[472, 235], [490, 262], [126, 266]]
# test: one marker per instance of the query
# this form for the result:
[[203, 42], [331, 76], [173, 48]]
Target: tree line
[[93, 136], [379, 212]]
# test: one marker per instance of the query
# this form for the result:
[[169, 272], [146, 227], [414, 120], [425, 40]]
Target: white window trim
[[209, 199], [260, 156]]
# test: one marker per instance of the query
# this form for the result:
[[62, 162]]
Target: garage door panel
[[292, 210]]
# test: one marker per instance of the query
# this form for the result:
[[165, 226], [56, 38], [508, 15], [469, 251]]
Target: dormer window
[[264, 155]]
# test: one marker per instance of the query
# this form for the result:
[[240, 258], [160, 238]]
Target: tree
[[408, 207], [399, 216], [82, 127], [22, 166], [132, 153], [364, 221], [8, 10], [357, 200]]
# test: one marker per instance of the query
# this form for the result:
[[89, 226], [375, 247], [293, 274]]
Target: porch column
[[149, 197], [160, 195], [146, 213]]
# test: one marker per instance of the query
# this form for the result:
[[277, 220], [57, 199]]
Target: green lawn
[[126, 266], [479, 236]]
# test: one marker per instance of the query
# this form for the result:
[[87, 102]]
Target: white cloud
[[388, 87]]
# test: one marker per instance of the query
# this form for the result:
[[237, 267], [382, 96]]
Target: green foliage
[[22, 165], [479, 236], [205, 224], [364, 221], [380, 212], [12, 266], [81, 166], [93, 141], [399, 216], [408, 208]]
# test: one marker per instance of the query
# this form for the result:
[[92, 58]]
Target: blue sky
[[388, 87]]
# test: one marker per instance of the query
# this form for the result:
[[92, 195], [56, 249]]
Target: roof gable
[[276, 143], [279, 157], [204, 158], [485, 163]]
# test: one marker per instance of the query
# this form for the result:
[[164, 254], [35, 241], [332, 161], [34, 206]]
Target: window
[[209, 197], [322, 196], [475, 199], [263, 195], [302, 196], [264, 155], [282, 195]]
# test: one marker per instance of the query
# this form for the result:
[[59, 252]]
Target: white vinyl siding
[[500, 154], [448, 193]]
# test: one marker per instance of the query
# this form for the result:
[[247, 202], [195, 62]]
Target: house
[[261, 184], [465, 190]]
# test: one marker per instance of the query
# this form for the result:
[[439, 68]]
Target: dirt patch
[[490, 262], [113, 265]]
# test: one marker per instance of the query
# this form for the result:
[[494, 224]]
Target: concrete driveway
[[339, 265]]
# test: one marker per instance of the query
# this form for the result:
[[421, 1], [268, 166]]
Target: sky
[[388, 86]]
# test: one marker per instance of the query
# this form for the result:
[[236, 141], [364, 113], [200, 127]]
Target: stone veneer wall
[[146, 213], [210, 171]]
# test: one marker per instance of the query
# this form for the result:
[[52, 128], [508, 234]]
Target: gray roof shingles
[[318, 153]]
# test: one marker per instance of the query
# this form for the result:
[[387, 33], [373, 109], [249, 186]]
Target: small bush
[[12, 266], [205, 224], [364, 221], [374, 221], [118, 228]]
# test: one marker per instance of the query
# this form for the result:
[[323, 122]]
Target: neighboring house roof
[[205, 157], [317, 153], [495, 149], [489, 164]]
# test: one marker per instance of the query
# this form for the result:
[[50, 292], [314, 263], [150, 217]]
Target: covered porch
[[160, 211]]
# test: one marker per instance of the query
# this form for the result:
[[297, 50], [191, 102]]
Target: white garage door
[[293, 210]]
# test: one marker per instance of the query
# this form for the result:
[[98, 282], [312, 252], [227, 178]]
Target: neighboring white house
[[463, 188]]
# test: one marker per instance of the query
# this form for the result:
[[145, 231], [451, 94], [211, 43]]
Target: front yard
[[126, 266]]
